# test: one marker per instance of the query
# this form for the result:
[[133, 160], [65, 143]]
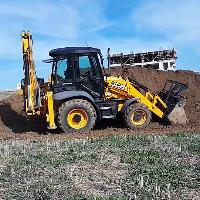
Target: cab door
[[91, 76]]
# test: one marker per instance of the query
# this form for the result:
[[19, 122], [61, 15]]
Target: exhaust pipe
[[108, 57]]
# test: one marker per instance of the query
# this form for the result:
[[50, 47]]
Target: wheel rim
[[77, 118], [139, 117]]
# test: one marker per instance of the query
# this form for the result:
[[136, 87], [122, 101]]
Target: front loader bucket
[[175, 112], [178, 115]]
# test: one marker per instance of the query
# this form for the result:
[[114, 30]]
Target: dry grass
[[118, 167]]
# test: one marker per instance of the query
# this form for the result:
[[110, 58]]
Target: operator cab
[[77, 69], [77, 73]]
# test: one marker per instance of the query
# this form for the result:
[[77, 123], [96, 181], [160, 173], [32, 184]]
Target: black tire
[[69, 106], [134, 110]]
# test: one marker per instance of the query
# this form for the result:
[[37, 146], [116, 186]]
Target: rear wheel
[[76, 115], [137, 116]]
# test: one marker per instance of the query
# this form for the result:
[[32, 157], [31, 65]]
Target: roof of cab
[[72, 50]]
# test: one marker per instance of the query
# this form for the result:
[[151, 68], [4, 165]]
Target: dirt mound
[[10, 110], [12, 121], [155, 80]]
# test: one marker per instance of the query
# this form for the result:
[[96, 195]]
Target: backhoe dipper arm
[[31, 86]]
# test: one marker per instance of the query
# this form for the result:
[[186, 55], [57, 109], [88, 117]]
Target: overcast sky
[[122, 25]]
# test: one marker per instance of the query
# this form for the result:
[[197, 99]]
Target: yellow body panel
[[119, 88], [50, 115]]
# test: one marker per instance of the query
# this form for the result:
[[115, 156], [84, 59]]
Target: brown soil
[[13, 125]]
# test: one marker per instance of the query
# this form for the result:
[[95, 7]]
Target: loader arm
[[168, 104], [121, 88]]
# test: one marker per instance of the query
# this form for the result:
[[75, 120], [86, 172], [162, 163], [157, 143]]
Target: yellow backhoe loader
[[78, 93]]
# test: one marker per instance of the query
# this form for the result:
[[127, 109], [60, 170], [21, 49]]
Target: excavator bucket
[[175, 112]]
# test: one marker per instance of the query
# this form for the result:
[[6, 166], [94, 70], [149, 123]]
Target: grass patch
[[193, 142], [115, 168]]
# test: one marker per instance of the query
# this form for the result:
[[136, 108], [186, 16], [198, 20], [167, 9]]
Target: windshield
[[65, 71]]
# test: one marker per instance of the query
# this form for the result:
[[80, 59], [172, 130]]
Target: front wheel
[[137, 116], [76, 115]]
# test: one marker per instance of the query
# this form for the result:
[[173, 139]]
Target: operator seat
[[69, 73]]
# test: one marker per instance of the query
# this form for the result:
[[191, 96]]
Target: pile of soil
[[12, 119], [13, 123]]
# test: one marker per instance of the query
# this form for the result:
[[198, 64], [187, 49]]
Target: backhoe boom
[[30, 85], [33, 87]]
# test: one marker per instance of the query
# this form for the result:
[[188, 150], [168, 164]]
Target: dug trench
[[14, 125]]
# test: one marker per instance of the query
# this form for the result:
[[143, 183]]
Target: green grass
[[114, 168]]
